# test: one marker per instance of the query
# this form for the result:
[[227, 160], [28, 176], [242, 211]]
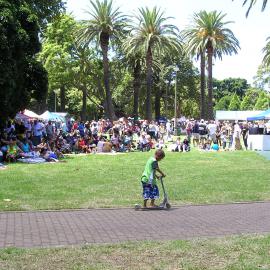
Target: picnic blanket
[[36, 160]]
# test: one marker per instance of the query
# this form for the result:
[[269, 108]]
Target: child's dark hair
[[160, 154]]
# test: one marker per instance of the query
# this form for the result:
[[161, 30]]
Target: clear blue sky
[[251, 32]]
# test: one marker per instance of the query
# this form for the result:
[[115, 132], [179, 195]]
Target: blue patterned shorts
[[150, 192]]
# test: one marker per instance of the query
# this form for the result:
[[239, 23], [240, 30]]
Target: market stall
[[259, 141], [51, 116]]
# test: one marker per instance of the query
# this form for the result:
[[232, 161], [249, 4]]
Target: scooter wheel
[[168, 206]]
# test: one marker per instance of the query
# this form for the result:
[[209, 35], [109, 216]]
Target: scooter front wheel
[[168, 206]]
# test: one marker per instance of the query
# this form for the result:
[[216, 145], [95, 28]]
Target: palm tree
[[135, 62], [152, 34], [105, 24], [266, 51], [192, 39], [252, 3], [209, 34]]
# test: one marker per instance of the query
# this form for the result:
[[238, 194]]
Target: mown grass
[[246, 252], [114, 180]]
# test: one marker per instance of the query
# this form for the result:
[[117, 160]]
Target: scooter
[[165, 205]]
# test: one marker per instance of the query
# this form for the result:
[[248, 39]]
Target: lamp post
[[55, 92], [166, 99], [175, 102]]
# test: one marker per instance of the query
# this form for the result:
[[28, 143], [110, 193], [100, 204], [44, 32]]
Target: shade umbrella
[[261, 116]]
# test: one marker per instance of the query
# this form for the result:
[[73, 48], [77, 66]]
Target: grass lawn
[[246, 252], [114, 180]]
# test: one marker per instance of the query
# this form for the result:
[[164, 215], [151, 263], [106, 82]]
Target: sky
[[251, 32]]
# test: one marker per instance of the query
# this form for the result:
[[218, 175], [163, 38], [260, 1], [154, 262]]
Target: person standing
[[236, 137], [195, 133], [202, 132], [245, 134], [212, 130], [37, 132]]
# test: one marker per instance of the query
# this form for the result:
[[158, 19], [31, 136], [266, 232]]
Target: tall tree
[[262, 102], [57, 50], [262, 78], [223, 104], [251, 3], [266, 51], [235, 103], [250, 99], [105, 23], [209, 33], [22, 77], [192, 40], [152, 34], [135, 62]]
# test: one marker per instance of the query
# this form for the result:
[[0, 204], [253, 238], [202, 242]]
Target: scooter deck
[[138, 207]]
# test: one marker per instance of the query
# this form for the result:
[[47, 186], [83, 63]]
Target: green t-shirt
[[148, 175]]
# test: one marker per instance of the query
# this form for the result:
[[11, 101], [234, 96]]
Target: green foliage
[[230, 86], [152, 30], [250, 99], [104, 20], [262, 102], [235, 103], [46, 10], [210, 29], [57, 53], [262, 78], [190, 108], [223, 104], [266, 51], [22, 77]]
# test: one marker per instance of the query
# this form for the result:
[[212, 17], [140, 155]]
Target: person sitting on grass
[[185, 145], [207, 146], [160, 144], [215, 146], [107, 147], [13, 151], [148, 179], [49, 156], [26, 147], [177, 145], [143, 143]]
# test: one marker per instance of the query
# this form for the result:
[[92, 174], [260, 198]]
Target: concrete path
[[63, 228]]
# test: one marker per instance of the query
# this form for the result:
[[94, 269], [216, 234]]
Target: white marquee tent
[[235, 115]]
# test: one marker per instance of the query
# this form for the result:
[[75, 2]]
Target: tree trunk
[[149, 60], [104, 43], [210, 82], [203, 105], [84, 100], [136, 88], [157, 103], [62, 98]]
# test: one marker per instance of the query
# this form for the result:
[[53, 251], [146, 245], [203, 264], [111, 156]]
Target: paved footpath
[[63, 228]]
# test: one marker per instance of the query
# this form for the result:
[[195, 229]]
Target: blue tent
[[261, 116]]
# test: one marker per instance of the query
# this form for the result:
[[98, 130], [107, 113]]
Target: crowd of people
[[39, 141]]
